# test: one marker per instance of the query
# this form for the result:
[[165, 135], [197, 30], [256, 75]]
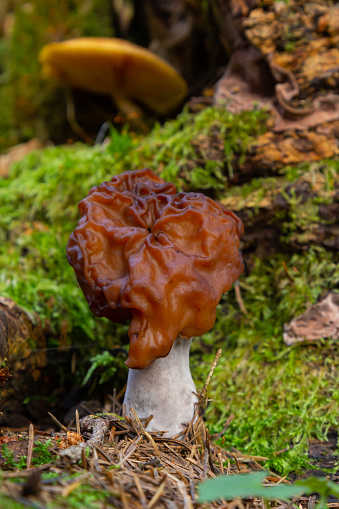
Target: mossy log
[[290, 216], [286, 59], [23, 342], [22, 337]]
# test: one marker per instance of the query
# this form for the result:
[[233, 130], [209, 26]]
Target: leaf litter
[[122, 465]]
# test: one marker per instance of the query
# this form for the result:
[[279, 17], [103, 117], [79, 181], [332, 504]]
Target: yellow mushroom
[[133, 76]]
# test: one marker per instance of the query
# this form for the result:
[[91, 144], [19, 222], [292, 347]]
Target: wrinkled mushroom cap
[[115, 67], [143, 251]]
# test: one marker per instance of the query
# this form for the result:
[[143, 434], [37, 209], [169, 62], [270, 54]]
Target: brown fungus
[[163, 259]]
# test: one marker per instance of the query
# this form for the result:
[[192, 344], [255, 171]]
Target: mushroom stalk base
[[165, 390]]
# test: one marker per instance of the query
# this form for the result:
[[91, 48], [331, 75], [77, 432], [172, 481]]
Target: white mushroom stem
[[164, 389]]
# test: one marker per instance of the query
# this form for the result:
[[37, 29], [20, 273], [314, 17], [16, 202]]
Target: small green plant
[[9, 459], [41, 453], [250, 485], [41, 456], [102, 360]]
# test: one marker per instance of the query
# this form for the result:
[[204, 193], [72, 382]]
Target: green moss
[[295, 196], [183, 146], [301, 220], [280, 396], [38, 213]]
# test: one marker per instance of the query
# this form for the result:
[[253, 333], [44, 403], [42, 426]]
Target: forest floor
[[107, 460], [132, 468]]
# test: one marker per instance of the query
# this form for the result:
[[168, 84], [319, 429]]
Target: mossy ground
[[280, 396]]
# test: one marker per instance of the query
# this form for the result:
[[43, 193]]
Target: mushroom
[[163, 259], [133, 76]]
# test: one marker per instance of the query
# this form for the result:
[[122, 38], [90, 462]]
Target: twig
[[124, 501], [101, 450], [239, 298], [155, 447], [132, 450], [112, 435], [30, 446], [215, 436], [114, 400], [292, 502], [84, 459], [311, 502], [25, 473], [221, 464], [96, 460], [157, 494], [187, 502], [148, 420], [58, 423], [67, 490], [77, 421], [208, 379], [213, 468], [205, 464], [237, 461], [70, 114], [143, 499]]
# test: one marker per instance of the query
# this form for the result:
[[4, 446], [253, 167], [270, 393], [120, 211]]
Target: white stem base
[[164, 389]]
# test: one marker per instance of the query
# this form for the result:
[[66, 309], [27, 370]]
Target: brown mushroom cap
[[127, 72], [164, 259]]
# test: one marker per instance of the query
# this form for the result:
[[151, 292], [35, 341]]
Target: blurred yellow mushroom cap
[[127, 72]]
